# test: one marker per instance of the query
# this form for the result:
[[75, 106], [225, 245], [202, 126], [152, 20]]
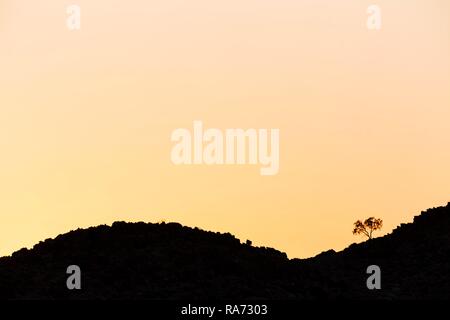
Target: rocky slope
[[169, 261]]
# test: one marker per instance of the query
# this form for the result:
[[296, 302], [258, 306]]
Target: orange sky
[[86, 116]]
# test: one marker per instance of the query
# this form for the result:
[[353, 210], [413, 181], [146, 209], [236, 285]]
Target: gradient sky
[[86, 117]]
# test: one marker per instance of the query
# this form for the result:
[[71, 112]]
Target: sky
[[86, 116]]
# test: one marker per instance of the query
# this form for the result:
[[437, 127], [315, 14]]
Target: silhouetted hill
[[169, 261]]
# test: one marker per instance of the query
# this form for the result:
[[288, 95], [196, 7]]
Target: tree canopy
[[367, 227]]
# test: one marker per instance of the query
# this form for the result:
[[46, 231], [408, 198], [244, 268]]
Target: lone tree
[[367, 227]]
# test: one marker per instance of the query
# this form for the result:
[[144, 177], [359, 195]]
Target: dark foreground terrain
[[169, 261]]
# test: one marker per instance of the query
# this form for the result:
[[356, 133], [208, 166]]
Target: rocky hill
[[169, 261]]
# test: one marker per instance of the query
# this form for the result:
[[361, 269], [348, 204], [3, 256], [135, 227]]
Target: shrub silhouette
[[367, 227]]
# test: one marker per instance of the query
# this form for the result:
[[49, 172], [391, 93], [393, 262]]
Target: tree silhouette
[[367, 227]]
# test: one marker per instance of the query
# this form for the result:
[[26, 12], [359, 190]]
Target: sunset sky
[[86, 116]]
